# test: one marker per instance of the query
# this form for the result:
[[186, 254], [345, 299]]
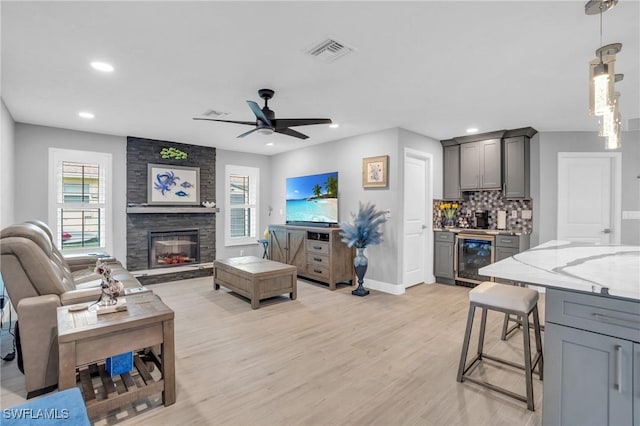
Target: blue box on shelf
[[119, 364]]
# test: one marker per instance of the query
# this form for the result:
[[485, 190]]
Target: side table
[[85, 339], [265, 247]]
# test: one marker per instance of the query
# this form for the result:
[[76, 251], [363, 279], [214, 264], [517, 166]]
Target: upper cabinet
[[516, 167], [480, 165], [451, 159], [488, 161]]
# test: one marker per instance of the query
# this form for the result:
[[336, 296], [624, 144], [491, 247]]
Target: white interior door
[[589, 197], [417, 201]]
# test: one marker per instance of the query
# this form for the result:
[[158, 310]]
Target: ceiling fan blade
[[290, 132], [250, 123], [281, 123], [259, 114], [247, 133]]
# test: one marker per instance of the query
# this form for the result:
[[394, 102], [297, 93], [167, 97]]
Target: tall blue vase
[[360, 262]]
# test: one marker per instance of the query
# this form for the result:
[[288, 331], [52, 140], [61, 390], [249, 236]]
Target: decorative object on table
[[375, 172], [463, 222], [449, 213], [363, 232], [170, 185], [119, 364], [111, 288], [173, 154], [209, 204]]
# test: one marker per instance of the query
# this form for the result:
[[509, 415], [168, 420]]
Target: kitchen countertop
[[609, 270], [480, 231]]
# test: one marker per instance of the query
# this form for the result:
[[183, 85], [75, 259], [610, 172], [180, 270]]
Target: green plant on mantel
[[173, 153]]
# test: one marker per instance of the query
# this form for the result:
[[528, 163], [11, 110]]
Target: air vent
[[633, 124], [215, 113], [329, 50]]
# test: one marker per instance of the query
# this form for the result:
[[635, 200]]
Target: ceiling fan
[[266, 121]]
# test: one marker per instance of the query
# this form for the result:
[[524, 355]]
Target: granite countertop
[[609, 270], [480, 231]]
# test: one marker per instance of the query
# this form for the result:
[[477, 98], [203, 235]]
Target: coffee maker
[[481, 219]]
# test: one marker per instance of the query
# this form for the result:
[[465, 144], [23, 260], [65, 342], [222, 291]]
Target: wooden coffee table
[[255, 278], [85, 339]]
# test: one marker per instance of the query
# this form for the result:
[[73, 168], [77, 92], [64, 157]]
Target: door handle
[[618, 384], [606, 231]]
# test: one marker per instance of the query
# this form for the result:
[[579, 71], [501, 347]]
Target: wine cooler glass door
[[474, 252]]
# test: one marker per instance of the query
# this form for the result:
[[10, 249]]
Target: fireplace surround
[[140, 222]]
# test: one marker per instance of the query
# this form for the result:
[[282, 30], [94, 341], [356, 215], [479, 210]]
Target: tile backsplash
[[492, 201]]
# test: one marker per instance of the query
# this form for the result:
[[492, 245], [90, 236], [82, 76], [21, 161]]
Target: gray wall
[[262, 162], [345, 156], [32, 172], [7, 180], [546, 162]]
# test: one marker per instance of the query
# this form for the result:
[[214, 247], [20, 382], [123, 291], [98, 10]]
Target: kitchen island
[[592, 330]]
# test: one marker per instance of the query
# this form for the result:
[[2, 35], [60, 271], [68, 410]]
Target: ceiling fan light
[[266, 130]]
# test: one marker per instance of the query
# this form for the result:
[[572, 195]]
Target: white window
[[241, 196], [79, 200]]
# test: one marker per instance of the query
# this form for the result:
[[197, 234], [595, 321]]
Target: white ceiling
[[434, 67]]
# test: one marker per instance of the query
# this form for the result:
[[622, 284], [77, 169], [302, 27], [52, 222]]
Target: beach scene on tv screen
[[313, 198]]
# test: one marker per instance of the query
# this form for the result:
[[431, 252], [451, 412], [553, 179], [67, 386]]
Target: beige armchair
[[38, 280]]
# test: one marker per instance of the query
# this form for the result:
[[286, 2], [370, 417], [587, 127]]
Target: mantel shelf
[[169, 210]]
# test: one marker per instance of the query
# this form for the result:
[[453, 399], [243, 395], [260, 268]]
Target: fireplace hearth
[[173, 248]]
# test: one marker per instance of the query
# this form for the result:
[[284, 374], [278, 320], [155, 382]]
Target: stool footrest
[[496, 388]]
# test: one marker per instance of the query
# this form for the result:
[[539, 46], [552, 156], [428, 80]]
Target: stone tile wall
[[141, 152], [492, 201]]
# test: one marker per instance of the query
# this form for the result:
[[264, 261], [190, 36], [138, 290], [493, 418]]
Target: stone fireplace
[[185, 235], [173, 248]]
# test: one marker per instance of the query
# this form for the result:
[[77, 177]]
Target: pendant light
[[603, 99]]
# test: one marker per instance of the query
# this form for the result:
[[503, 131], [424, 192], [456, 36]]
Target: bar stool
[[508, 299]]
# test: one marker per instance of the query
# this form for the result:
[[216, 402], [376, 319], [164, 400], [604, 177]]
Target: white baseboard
[[383, 287]]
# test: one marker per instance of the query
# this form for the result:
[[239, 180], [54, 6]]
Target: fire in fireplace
[[173, 248]]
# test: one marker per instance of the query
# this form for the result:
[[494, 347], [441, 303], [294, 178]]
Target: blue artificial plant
[[365, 229]]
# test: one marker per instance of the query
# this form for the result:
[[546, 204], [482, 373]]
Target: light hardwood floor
[[327, 358]]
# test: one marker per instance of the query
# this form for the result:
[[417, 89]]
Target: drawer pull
[[504, 241], [604, 317], [618, 384], [317, 271], [317, 259], [317, 247]]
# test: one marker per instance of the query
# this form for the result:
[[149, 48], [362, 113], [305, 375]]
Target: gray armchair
[[38, 279]]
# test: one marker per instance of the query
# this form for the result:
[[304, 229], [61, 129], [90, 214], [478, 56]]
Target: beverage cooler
[[472, 253]]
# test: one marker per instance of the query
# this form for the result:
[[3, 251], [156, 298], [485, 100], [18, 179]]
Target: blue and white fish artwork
[[182, 194], [165, 181], [186, 184]]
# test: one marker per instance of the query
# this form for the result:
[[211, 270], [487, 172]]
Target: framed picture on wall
[[173, 185], [375, 172]]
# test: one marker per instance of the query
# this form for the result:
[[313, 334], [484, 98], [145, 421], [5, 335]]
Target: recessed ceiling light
[[86, 115], [334, 125], [102, 66], [269, 144], [472, 130]]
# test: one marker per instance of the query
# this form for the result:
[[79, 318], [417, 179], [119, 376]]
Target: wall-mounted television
[[312, 200]]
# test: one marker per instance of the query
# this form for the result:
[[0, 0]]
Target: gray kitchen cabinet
[[490, 164], [582, 370], [481, 165], [443, 257], [469, 166], [507, 246], [516, 167], [591, 353], [451, 172]]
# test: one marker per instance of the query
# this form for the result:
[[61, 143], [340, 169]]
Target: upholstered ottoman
[[61, 408]]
